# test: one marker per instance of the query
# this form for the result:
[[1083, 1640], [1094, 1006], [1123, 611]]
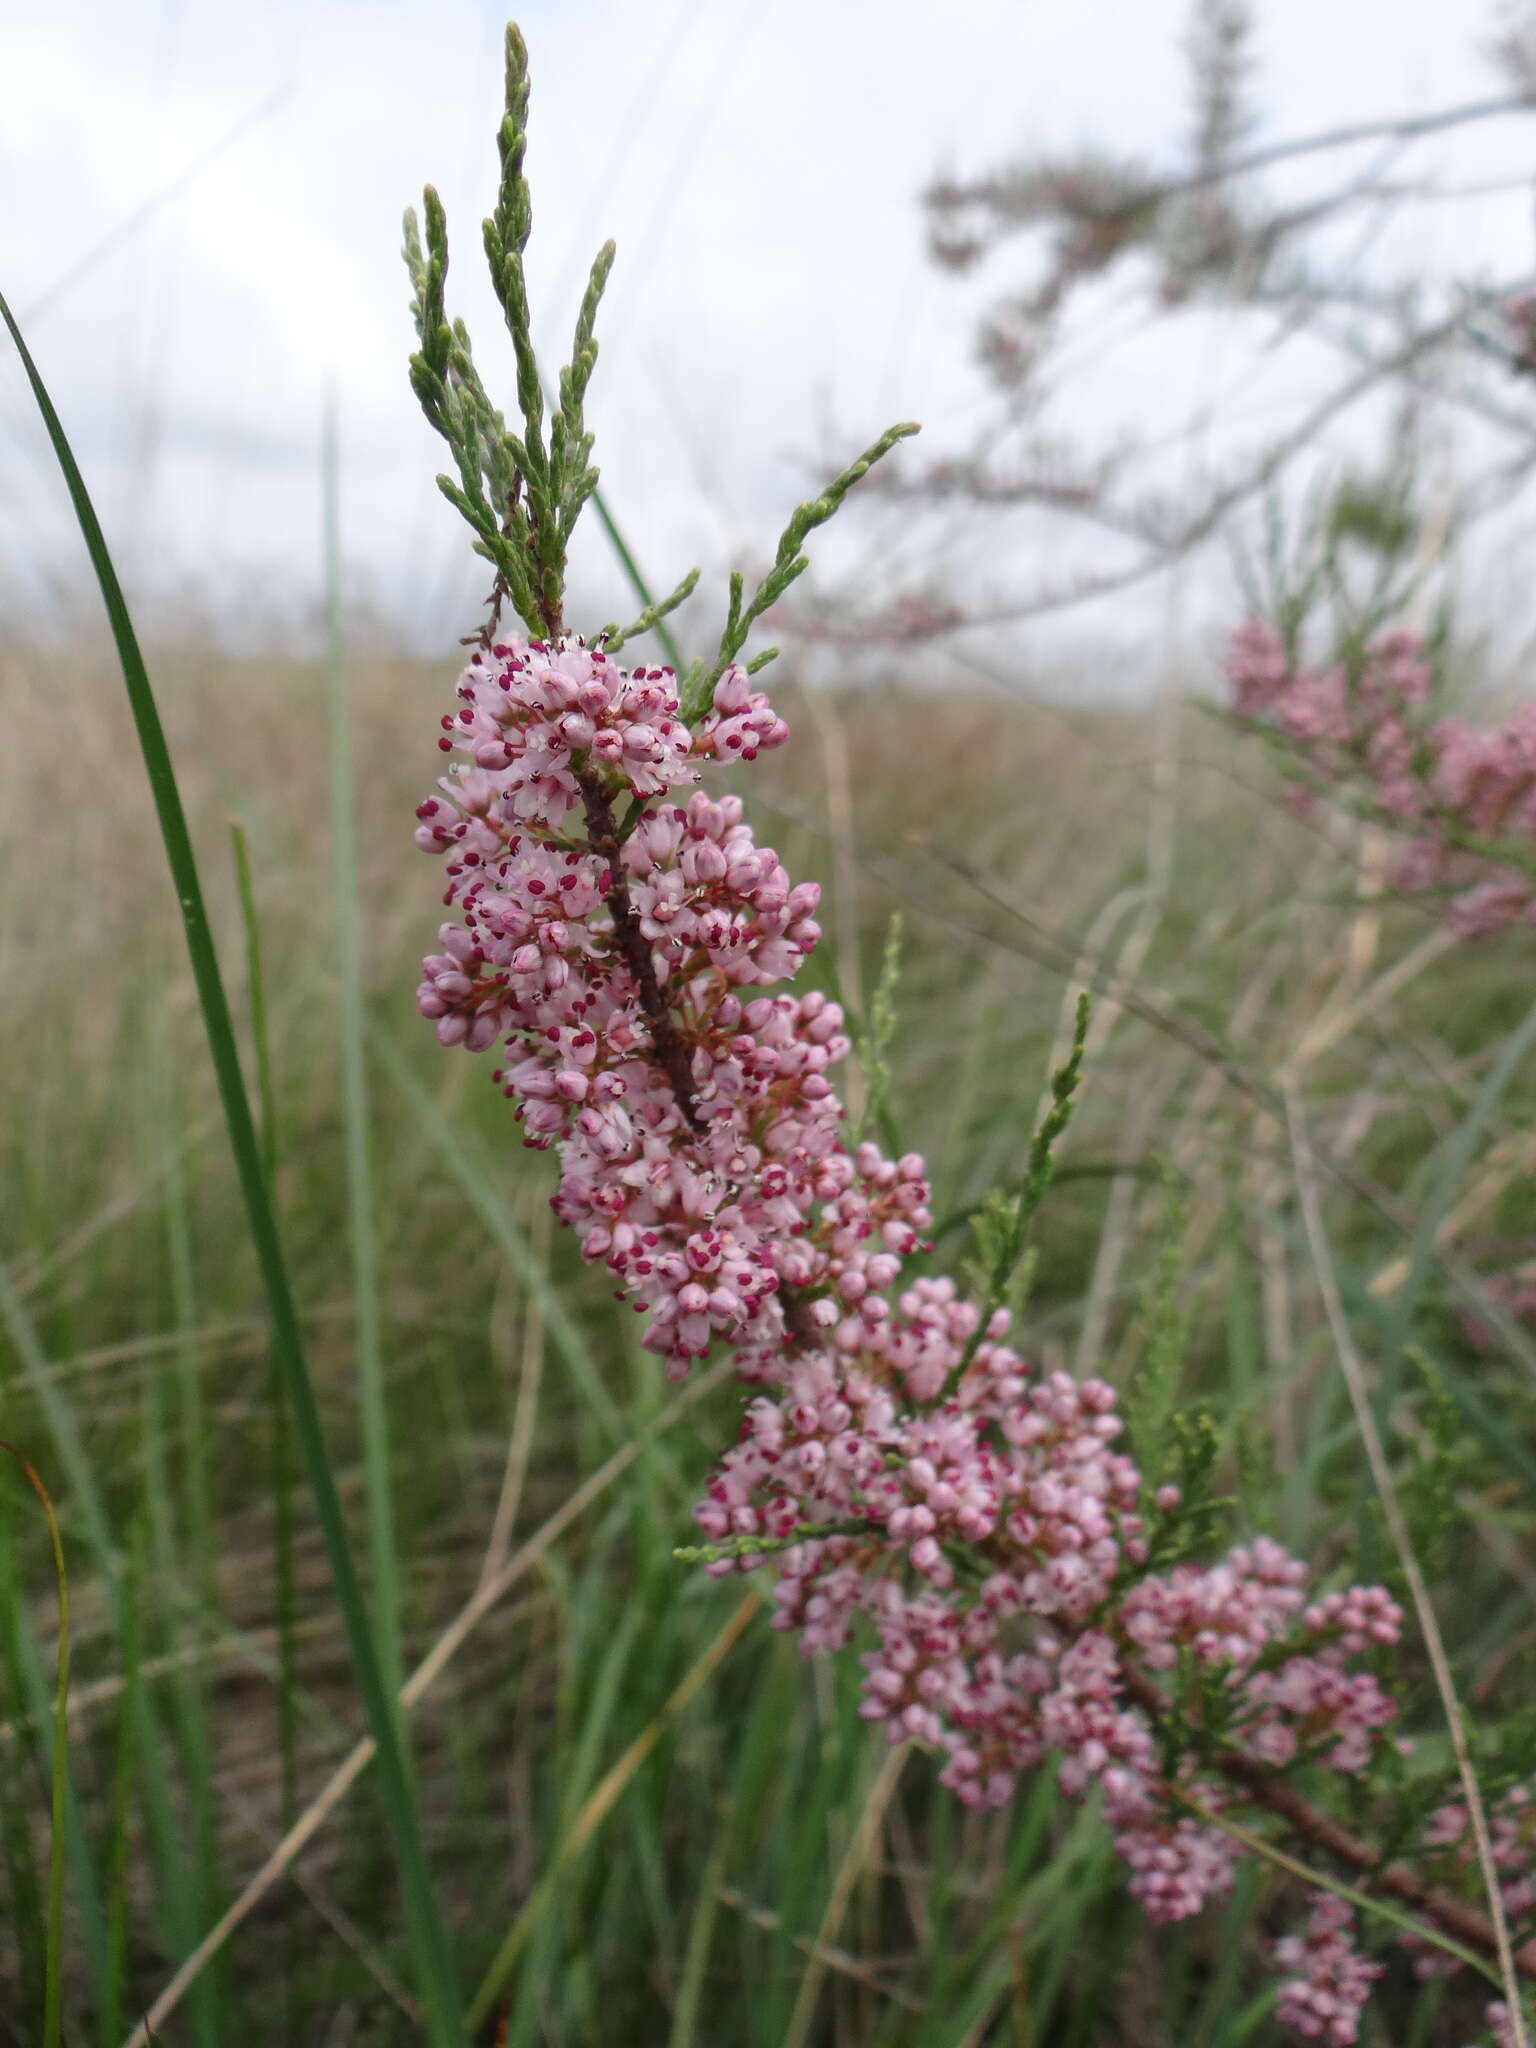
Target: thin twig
[[520, 1443], [829, 1957], [1319, 1880], [341, 1924], [849, 1872], [1388, 128], [1429, 1627]]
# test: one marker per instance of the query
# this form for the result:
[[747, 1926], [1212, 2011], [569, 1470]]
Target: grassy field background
[[672, 1829]]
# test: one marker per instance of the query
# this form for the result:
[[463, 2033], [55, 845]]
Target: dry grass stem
[[1429, 1627]]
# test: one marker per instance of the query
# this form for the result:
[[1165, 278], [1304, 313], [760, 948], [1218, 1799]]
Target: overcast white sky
[[758, 165]]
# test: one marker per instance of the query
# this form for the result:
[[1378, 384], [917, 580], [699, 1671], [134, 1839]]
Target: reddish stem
[[668, 1042], [1269, 1790]]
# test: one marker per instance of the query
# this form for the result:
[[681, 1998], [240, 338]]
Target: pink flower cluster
[[1457, 793], [1330, 1982], [1512, 1827], [898, 1462], [999, 1543], [1500, 2026], [694, 1205]]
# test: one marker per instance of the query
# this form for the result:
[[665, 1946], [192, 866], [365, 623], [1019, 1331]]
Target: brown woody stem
[[1269, 1790], [667, 1041]]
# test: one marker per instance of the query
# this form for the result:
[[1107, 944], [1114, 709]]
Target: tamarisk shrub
[[1357, 704], [1361, 728], [1030, 1593]]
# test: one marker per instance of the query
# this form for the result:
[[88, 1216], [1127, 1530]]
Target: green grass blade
[[118, 1872], [256, 998], [628, 564], [85, 1502], [701, 1935], [192, 1548], [429, 1938], [69, 1445], [280, 1453], [383, 1557], [579, 1830], [25, 1782], [637, 580], [53, 1992], [480, 1191], [165, 1748], [1456, 1158]]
